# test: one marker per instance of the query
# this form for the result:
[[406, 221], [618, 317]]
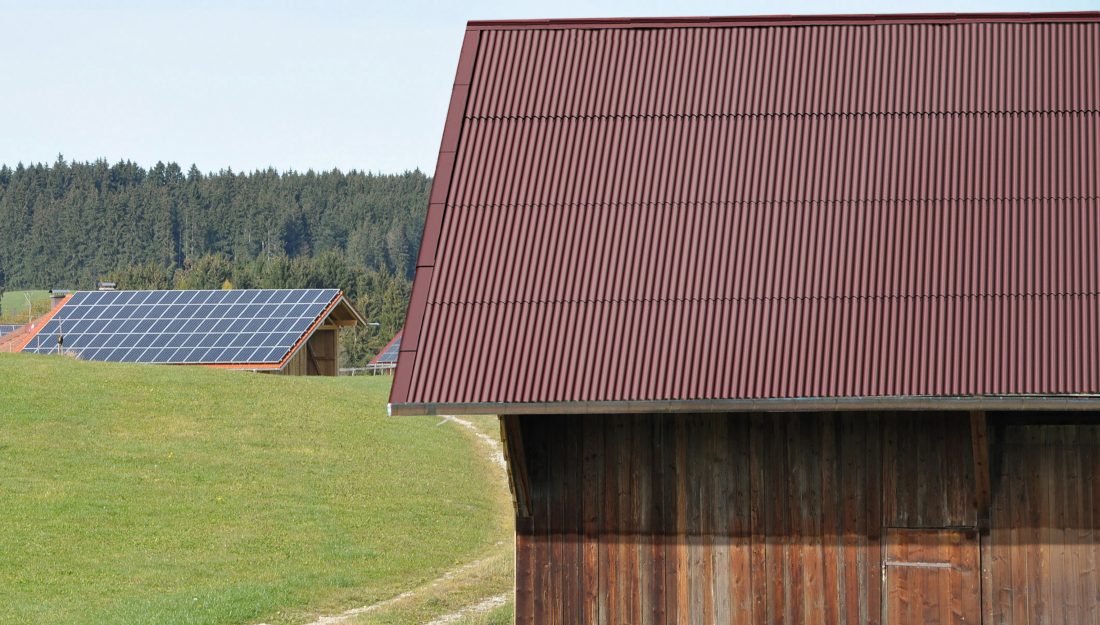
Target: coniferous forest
[[67, 225]]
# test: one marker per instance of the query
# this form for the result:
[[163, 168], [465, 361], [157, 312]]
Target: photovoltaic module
[[183, 327]]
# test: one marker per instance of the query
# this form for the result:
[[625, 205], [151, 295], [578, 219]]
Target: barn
[[286, 331], [786, 319]]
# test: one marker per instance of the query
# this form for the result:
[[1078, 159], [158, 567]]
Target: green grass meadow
[[139, 494]]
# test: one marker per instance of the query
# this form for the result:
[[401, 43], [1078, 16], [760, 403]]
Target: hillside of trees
[[67, 225]]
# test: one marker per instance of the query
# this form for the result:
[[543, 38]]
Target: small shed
[[786, 319], [287, 331]]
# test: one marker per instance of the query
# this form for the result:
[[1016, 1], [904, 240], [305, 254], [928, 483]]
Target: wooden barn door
[[931, 577]]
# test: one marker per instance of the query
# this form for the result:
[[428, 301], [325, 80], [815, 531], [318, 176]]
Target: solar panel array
[[183, 327], [8, 329], [389, 356]]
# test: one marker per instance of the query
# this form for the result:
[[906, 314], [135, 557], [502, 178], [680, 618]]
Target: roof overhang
[[797, 404]]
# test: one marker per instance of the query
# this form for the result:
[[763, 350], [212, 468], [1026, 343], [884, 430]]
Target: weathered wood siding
[[319, 356], [1044, 547], [783, 519]]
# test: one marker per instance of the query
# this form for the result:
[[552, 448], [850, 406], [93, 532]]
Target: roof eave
[[795, 404]]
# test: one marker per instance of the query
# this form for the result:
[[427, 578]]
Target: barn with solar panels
[[788, 320], [386, 360], [289, 331]]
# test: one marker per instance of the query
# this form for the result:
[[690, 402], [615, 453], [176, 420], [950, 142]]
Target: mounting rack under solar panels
[[8, 328], [183, 327]]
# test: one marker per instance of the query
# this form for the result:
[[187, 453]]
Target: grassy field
[[13, 305], [142, 494]]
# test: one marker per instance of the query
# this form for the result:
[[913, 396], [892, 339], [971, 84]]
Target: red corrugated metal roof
[[755, 208]]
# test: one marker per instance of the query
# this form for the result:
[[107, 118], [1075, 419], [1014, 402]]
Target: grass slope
[[141, 494], [13, 305]]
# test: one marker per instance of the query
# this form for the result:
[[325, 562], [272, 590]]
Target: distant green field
[[144, 494], [13, 305]]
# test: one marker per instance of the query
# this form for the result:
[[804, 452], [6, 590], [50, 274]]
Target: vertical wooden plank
[[626, 557], [998, 585], [718, 511], [1090, 541], [986, 579], [1062, 570], [699, 522], [540, 512], [794, 567], [525, 563], [658, 494], [831, 503], [593, 487], [674, 481], [758, 569], [995, 562], [641, 530], [1035, 509], [608, 527], [891, 490], [806, 460], [1017, 466], [555, 482], [871, 577], [739, 521], [852, 522], [979, 441], [680, 569], [777, 531], [572, 521], [1048, 547], [612, 563]]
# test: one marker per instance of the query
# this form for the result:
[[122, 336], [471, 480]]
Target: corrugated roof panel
[[771, 250], [822, 157], [842, 68], [837, 347], [771, 209]]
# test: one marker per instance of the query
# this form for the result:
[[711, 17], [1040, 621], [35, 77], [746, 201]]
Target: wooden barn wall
[[1044, 550], [787, 518], [320, 356]]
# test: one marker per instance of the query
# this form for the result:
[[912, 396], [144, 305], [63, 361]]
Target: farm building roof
[[724, 212], [240, 328], [388, 355]]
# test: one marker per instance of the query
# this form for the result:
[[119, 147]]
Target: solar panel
[[8, 329], [390, 355], [183, 327]]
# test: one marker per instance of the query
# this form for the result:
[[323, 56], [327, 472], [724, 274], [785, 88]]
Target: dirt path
[[470, 610], [496, 455]]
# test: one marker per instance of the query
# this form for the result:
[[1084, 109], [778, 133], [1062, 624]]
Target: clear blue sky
[[293, 85]]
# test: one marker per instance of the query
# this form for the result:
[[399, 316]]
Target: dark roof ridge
[[786, 20]]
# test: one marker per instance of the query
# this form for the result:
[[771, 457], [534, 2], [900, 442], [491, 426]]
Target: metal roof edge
[[788, 20], [429, 238], [796, 404]]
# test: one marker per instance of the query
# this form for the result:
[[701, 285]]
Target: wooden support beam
[[311, 359], [512, 436], [979, 442]]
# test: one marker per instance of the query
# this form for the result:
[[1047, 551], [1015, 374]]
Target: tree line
[[68, 225]]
